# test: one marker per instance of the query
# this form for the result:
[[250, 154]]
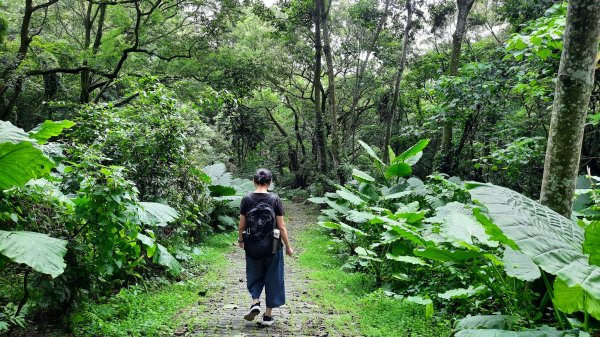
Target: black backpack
[[258, 235]]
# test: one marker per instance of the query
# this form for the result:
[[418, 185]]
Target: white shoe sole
[[251, 315], [267, 323]]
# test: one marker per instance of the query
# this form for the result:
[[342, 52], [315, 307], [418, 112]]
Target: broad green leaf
[[505, 333], [397, 195], [501, 322], [363, 251], [342, 226], [520, 266], [227, 220], [492, 229], [49, 129], [398, 170], [342, 209], [330, 214], [228, 198], [220, 190], [446, 255], [591, 243], [391, 154], [458, 228], [39, 251], [362, 176], [551, 240], [412, 155], [21, 162], [158, 214], [201, 174], [218, 174], [426, 301], [406, 259], [12, 134], [318, 200], [462, 293], [401, 277], [574, 299], [371, 153], [164, 258], [146, 240], [349, 196], [359, 217], [407, 233]]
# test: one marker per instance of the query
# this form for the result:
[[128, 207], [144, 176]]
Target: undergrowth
[[155, 309], [362, 308]]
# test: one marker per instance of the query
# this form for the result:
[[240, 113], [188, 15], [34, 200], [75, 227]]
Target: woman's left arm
[[284, 235]]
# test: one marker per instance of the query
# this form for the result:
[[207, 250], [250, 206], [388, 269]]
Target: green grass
[[157, 311], [363, 309]]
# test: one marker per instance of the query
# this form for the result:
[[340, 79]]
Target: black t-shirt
[[249, 201]]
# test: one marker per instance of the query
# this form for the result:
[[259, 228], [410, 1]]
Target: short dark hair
[[263, 176]]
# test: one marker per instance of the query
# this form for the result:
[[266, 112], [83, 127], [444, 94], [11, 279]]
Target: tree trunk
[[464, 7], [317, 87], [360, 70], [7, 107], [571, 99], [405, 45], [335, 142]]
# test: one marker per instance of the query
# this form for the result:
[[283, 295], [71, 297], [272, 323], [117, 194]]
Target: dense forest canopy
[[128, 129]]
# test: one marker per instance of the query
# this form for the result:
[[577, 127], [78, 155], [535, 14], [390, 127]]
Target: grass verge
[[135, 311], [363, 309]]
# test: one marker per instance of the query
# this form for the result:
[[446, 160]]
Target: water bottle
[[276, 235]]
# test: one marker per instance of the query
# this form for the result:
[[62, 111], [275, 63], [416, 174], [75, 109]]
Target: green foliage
[[21, 162], [496, 248], [49, 129], [542, 38], [363, 310], [39, 251], [156, 307]]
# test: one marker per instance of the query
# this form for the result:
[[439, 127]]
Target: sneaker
[[267, 320], [253, 312]]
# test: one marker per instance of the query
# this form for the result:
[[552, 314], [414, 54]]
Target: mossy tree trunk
[[571, 100], [317, 87], [335, 141]]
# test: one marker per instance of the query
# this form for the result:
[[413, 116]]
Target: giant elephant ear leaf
[[158, 214], [49, 129], [591, 244], [520, 266], [505, 333], [39, 251], [551, 240], [164, 258], [574, 299], [20, 163], [12, 134]]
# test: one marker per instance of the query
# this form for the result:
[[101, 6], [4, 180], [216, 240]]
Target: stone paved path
[[223, 314]]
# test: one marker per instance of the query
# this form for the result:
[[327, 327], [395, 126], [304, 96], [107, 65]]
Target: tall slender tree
[[335, 141], [571, 100], [464, 7], [401, 64], [317, 88]]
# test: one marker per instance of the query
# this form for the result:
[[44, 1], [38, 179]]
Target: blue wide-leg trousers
[[267, 274]]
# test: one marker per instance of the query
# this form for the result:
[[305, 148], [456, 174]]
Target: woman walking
[[261, 231]]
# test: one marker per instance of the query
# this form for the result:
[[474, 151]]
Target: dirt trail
[[222, 314]]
